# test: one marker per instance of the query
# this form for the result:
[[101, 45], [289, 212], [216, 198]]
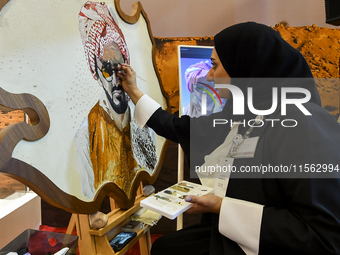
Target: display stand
[[96, 241], [180, 177]]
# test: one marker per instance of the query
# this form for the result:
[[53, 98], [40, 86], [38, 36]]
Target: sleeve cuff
[[145, 107], [240, 221]]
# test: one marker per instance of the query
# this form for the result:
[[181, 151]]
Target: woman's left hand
[[206, 203]]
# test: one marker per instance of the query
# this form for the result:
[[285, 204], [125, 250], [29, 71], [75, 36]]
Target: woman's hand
[[206, 203], [128, 77]]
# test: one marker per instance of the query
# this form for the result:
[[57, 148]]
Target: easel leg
[[71, 225], [86, 241], [145, 244], [112, 204]]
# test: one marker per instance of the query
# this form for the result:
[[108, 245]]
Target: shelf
[[116, 217]]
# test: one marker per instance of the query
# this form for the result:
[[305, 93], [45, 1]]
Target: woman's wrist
[[217, 208], [135, 95]]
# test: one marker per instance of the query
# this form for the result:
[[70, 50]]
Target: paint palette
[[171, 202]]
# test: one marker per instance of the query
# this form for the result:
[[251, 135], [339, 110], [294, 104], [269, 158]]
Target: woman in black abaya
[[278, 213]]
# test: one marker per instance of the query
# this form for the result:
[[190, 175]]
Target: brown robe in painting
[[110, 150]]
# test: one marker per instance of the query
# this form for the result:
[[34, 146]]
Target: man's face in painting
[[107, 73]]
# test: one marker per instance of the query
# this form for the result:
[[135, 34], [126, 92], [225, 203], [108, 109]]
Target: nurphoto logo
[[239, 103]]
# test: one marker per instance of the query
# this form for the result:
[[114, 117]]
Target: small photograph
[[198, 95], [204, 99]]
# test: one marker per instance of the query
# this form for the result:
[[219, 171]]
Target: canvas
[[82, 142]]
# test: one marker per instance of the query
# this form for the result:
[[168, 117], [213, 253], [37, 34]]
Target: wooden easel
[[96, 241]]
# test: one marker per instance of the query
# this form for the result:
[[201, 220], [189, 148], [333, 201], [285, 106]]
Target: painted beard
[[122, 104]]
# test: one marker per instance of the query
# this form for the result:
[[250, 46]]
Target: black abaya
[[301, 213]]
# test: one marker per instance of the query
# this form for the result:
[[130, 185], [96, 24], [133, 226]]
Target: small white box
[[171, 202]]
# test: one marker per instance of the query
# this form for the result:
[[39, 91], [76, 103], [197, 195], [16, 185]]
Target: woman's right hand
[[128, 77]]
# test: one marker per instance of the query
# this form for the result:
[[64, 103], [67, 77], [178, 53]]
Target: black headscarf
[[249, 51]]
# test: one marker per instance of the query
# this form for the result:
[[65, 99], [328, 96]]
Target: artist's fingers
[[121, 75], [127, 68], [191, 198], [125, 71]]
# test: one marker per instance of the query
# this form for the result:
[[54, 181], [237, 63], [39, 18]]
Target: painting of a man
[[110, 146]]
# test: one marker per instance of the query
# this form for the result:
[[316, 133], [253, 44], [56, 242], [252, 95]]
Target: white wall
[[21, 214], [208, 17]]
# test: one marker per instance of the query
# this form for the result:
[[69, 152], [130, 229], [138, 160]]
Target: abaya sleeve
[[169, 126], [193, 134]]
